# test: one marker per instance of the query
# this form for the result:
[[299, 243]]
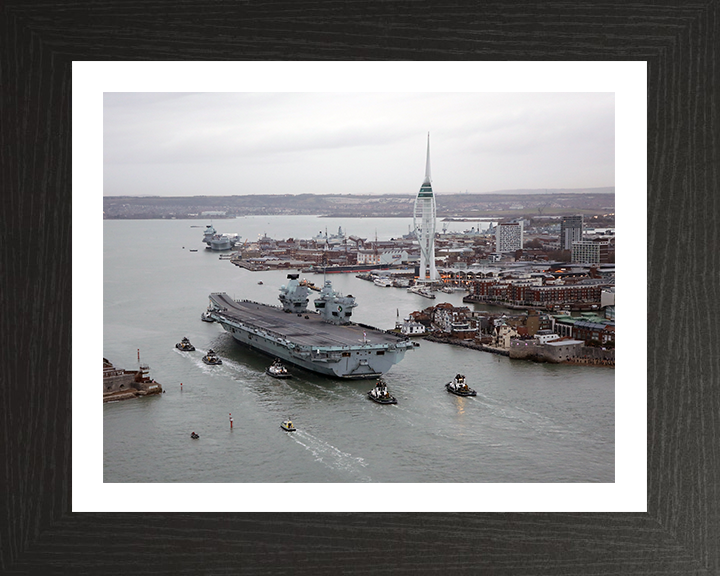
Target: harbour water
[[528, 423]]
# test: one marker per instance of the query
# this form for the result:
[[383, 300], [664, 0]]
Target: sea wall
[[474, 344], [147, 389], [538, 352], [523, 350]]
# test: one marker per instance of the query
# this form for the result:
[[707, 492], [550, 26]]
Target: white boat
[[277, 370], [420, 291], [459, 387], [383, 282], [380, 394]]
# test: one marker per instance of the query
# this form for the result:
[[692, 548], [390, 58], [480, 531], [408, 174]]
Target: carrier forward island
[[324, 341]]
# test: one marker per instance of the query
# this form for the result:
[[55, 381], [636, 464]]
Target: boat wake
[[331, 456], [519, 418]]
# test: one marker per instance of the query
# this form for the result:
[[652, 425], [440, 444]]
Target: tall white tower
[[424, 224]]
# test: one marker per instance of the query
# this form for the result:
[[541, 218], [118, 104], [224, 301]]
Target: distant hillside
[[502, 203], [602, 190]]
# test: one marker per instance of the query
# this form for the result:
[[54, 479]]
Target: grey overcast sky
[[217, 144]]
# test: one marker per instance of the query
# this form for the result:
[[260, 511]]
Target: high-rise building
[[590, 252], [424, 224], [571, 230], [509, 237], [585, 252]]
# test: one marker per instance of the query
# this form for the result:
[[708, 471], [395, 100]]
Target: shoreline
[[502, 352]]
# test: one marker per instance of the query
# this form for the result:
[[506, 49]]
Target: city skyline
[[187, 144]]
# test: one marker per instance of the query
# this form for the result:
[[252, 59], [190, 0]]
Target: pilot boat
[[287, 425]]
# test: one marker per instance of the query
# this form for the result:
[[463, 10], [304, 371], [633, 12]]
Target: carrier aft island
[[324, 341]]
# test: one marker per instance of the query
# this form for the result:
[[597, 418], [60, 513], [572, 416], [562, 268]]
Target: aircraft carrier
[[324, 341]]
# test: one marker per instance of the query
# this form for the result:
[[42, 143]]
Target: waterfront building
[[410, 328], [509, 237], [571, 230], [503, 334], [603, 333], [389, 256], [545, 336], [586, 327], [454, 320], [424, 225]]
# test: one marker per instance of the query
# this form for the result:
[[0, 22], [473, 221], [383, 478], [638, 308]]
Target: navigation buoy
[[231, 421]]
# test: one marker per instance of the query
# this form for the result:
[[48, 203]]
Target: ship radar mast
[[424, 224]]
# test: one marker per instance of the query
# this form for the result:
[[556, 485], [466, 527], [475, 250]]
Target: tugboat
[[459, 387], [185, 345], [194, 436], [211, 358], [277, 370], [380, 394], [287, 425]]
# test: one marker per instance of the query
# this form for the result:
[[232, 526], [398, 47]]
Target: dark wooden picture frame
[[680, 532]]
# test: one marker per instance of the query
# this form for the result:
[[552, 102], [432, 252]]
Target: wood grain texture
[[680, 533]]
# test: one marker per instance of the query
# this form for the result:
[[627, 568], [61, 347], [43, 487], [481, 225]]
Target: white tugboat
[[380, 394], [459, 387], [277, 370]]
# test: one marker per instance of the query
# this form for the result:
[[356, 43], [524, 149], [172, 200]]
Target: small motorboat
[[277, 370], [205, 317], [260, 283], [287, 425], [459, 387], [194, 436], [380, 394], [185, 345], [211, 358]]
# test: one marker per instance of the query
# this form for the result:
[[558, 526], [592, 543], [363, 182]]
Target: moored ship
[[349, 268], [217, 241], [324, 341]]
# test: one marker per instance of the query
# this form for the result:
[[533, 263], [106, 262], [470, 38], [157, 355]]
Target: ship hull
[[354, 367], [304, 340]]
